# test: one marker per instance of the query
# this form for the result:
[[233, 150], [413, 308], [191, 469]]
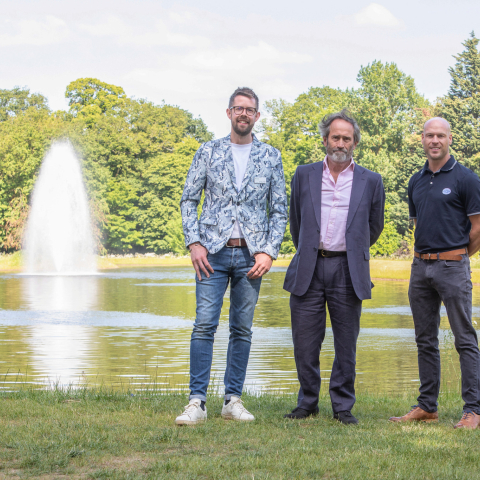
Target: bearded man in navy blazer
[[336, 215]]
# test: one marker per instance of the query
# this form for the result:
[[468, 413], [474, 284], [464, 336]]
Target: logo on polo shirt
[[446, 191]]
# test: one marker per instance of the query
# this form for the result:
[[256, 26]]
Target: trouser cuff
[[428, 410], [228, 396], [203, 398]]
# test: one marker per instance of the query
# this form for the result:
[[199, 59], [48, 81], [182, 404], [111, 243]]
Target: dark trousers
[[331, 286], [433, 282]]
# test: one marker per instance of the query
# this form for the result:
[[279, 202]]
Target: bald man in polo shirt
[[444, 202], [336, 215]]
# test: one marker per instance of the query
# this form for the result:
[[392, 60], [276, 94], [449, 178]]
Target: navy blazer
[[364, 226]]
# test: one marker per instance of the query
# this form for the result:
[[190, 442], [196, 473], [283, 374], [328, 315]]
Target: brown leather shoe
[[469, 420], [416, 414]]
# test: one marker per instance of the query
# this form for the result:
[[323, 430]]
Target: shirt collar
[[446, 168], [351, 165]]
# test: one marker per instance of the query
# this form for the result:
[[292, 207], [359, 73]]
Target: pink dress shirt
[[335, 203]]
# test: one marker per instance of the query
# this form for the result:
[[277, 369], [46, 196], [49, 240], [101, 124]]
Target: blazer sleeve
[[295, 217], [377, 211], [192, 193], [277, 209]]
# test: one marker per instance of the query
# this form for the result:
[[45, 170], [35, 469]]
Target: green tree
[[164, 179], [91, 98], [461, 106], [389, 241], [122, 227], [18, 100], [390, 113], [25, 139]]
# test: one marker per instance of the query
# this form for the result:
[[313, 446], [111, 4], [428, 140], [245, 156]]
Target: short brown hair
[[246, 92]]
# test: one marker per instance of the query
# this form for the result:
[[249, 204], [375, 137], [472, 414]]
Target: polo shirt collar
[[446, 168]]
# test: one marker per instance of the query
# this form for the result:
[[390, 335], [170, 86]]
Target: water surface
[[131, 327]]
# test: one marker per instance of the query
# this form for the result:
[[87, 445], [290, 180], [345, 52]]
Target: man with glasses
[[238, 235]]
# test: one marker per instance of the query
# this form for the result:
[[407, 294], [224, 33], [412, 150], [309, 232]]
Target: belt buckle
[[322, 252]]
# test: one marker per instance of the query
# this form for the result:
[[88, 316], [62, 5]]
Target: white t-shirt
[[241, 154]]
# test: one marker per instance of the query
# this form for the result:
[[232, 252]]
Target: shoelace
[[239, 404], [466, 415], [413, 408], [189, 408]]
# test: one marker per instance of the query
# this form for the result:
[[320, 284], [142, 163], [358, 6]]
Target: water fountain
[[58, 239]]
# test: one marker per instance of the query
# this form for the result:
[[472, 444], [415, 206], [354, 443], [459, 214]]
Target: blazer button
[[315, 248], [318, 231]]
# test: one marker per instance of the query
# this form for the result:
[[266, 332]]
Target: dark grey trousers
[[331, 286], [433, 282]]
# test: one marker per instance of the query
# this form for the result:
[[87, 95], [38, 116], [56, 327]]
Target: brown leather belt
[[331, 253], [452, 255], [236, 242]]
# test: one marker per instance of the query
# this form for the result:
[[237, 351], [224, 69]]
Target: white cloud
[[34, 32], [377, 15], [161, 35], [113, 26], [251, 59]]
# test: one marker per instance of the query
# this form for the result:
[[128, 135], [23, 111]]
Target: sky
[[194, 54]]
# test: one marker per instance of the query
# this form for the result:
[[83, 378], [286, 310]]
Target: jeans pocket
[[453, 264]]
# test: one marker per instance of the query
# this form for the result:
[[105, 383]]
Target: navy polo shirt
[[442, 202]]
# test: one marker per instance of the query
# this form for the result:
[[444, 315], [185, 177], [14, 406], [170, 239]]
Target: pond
[[131, 328]]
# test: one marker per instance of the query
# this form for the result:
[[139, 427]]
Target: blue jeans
[[229, 265]]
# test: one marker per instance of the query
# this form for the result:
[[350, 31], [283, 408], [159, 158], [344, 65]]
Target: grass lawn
[[92, 434]]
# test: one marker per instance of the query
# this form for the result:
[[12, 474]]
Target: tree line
[[136, 154]]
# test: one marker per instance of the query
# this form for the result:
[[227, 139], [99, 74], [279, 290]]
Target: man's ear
[[229, 113], [325, 142]]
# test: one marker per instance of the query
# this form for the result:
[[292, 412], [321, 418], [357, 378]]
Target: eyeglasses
[[239, 110]]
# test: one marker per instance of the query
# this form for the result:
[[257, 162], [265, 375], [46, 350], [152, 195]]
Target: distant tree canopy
[[391, 114], [135, 157], [136, 154], [18, 100]]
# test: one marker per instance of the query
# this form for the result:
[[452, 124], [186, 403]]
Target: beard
[[339, 155], [244, 130]]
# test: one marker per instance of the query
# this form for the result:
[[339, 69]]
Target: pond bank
[[114, 435], [380, 268]]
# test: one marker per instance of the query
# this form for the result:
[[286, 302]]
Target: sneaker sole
[[189, 422], [231, 417]]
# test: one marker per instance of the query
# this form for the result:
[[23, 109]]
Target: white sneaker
[[236, 411], [193, 413]]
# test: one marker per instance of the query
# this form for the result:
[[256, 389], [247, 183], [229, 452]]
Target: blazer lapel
[[358, 187], [229, 165], [315, 181], [252, 161]]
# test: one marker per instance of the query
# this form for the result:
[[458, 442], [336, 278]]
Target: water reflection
[[133, 326], [64, 293]]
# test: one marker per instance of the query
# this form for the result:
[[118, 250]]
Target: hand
[[263, 263], [198, 255]]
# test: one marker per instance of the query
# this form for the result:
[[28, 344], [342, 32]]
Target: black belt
[[327, 253]]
